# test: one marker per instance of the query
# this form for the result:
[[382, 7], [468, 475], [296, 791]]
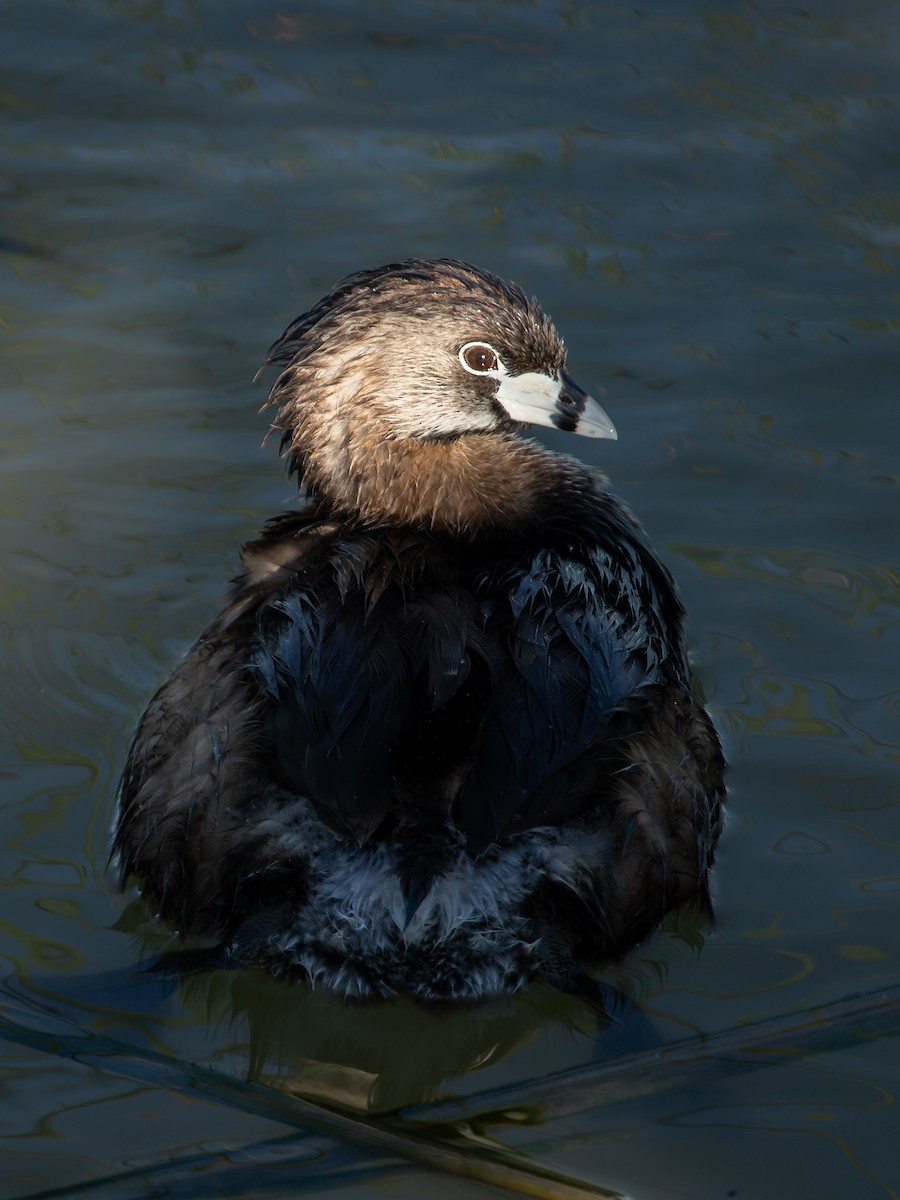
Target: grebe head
[[424, 349]]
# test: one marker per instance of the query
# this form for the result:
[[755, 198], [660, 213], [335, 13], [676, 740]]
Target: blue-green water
[[707, 199]]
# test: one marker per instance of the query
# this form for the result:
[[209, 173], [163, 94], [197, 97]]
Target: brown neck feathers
[[458, 484]]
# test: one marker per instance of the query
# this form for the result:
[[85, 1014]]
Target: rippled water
[[707, 199]]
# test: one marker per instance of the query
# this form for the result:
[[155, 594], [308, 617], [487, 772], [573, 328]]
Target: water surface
[[707, 199]]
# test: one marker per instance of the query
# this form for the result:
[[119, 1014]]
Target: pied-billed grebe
[[442, 740]]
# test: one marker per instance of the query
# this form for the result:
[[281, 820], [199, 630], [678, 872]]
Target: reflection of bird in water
[[442, 740], [315, 1045]]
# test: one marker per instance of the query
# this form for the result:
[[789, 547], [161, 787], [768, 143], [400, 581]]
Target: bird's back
[[398, 722]]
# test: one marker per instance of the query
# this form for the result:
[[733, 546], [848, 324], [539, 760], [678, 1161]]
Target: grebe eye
[[479, 357]]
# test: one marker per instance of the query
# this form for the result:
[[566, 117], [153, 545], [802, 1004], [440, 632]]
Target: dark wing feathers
[[521, 665], [440, 634], [564, 664], [395, 680], [340, 689]]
